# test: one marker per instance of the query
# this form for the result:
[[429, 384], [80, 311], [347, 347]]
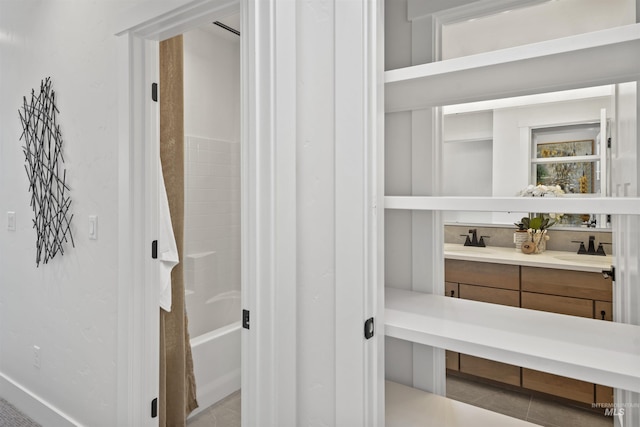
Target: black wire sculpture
[[47, 176]]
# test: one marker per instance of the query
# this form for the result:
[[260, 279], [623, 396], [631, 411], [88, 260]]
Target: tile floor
[[226, 413], [523, 406]]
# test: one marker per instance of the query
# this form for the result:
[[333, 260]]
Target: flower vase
[[539, 239], [519, 237]]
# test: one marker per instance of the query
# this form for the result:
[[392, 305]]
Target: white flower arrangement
[[542, 191]]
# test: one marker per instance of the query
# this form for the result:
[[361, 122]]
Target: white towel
[[167, 248]]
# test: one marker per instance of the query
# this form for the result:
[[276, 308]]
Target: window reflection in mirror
[[498, 148]]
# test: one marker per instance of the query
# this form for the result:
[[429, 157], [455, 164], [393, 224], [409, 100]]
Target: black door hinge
[[610, 274], [154, 249], [609, 143], [245, 319], [154, 408], [369, 329], [154, 92]]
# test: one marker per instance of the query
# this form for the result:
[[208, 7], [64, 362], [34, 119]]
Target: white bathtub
[[216, 361]]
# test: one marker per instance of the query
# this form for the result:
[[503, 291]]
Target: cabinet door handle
[[603, 313], [453, 293]]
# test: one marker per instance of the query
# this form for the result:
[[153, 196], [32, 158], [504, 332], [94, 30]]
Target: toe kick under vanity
[[556, 282]]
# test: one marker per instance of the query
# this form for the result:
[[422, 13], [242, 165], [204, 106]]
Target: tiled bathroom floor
[[523, 406], [226, 413]]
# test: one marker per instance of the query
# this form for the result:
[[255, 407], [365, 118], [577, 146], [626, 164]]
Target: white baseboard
[[33, 406]]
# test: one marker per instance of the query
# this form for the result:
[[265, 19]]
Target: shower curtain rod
[[226, 27]]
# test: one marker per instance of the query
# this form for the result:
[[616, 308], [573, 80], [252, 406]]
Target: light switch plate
[[11, 221], [93, 227]]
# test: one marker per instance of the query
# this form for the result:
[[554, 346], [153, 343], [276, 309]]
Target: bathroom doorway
[[212, 255], [138, 361]]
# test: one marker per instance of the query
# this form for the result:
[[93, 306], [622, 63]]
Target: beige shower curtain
[[177, 383]]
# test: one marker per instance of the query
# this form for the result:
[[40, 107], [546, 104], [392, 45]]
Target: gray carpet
[[11, 417]]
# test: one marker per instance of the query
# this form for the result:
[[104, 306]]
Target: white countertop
[[591, 350], [548, 259]]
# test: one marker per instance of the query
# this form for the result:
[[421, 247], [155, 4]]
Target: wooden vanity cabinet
[[490, 369], [452, 358], [574, 293], [568, 388], [502, 276], [451, 289], [603, 310], [558, 304], [491, 295], [486, 282], [568, 283]]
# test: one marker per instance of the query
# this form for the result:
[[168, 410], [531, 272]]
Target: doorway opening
[[212, 191]]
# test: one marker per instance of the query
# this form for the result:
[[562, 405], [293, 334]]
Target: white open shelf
[[606, 353], [591, 59], [596, 205]]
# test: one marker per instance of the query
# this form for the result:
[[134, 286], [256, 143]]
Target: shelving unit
[[613, 205], [467, 140], [591, 59], [605, 353], [600, 352]]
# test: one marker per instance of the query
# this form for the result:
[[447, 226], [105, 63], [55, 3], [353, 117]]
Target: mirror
[[500, 148]]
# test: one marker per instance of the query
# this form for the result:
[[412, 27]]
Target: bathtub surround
[[212, 208], [177, 383], [212, 233]]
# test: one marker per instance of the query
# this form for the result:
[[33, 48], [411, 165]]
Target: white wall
[[467, 160], [541, 22], [212, 84], [212, 178], [69, 306]]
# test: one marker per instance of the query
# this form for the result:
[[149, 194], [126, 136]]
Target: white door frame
[[269, 352], [269, 349], [271, 40]]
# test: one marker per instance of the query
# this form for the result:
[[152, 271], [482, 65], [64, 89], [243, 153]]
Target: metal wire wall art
[[47, 176]]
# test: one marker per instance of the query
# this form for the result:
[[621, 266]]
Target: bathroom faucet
[[472, 239], [592, 247]]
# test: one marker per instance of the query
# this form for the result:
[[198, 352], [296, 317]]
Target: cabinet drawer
[[451, 289], [578, 284], [490, 369], [492, 295], [568, 388], [482, 273], [604, 394], [555, 304], [603, 306], [453, 360]]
